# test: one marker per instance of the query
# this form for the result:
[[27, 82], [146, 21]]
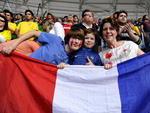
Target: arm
[[108, 66], [131, 34], [59, 30], [62, 65], [140, 52], [10, 47], [89, 61]]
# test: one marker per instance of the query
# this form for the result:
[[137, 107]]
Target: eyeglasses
[[88, 15], [2, 19]]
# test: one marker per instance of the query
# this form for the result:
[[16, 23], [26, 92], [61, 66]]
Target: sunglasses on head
[[2, 20]]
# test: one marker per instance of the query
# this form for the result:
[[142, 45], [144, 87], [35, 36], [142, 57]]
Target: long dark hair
[[6, 23]]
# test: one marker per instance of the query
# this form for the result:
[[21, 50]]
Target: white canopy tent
[[60, 8]]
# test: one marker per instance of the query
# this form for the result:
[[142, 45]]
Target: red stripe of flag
[[26, 85]]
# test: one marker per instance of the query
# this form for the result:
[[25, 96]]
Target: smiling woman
[[5, 34], [117, 51], [1, 19]]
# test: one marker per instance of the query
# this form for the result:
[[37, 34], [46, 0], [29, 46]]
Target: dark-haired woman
[[5, 34], [117, 51]]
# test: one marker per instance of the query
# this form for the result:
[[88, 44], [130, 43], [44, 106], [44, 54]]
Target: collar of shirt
[[87, 26]]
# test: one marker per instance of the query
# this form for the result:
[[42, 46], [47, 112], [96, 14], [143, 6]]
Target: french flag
[[31, 86]]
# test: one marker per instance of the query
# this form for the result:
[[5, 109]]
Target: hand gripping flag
[[31, 86]]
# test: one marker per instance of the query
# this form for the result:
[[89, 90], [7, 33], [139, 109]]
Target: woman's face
[[74, 44], [2, 23], [89, 40], [109, 33]]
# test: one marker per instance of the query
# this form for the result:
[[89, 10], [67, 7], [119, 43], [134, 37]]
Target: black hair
[[75, 16], [53, 17], [7, 11], [11, 14], [121, 11], [144, 17], [30, 12], [86, 10]]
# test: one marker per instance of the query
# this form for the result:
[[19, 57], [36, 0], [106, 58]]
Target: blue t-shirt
[[52, 49], [80, 57]]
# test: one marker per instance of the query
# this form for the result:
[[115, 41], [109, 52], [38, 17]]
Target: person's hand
[[108, 66], [122, 29], [8, 47], [62, 65], [128, 28], [89, 61]]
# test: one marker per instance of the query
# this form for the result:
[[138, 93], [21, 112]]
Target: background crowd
[[85, 41]]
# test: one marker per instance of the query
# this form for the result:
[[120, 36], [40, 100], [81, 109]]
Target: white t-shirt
[[58, 30], [122, 53]]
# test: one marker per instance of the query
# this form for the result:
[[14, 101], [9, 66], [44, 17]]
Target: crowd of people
[[73, 41]]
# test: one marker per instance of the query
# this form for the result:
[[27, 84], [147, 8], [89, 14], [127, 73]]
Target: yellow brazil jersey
[[12, 26], [24, 27], [136, 29]]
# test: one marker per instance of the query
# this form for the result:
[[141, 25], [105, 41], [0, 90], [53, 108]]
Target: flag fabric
[[26, 85], [31, 86]]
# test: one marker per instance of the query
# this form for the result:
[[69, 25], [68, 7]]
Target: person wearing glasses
[[88, 23], [87, 20]]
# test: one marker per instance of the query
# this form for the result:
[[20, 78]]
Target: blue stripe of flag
[[134, 85]]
